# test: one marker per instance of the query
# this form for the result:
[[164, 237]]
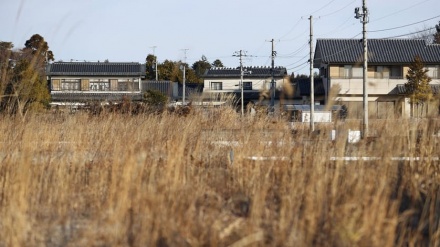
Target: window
[[128, 85], [375, 72], [349, 71], [433, 72], [70, 84], [385, 72], [345, 71], [396, 72], [379, 72], [247, 85], [99, 85], [357, 72], [216, 86]]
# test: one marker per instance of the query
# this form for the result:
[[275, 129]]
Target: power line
[[295, 70], [301, 65], [403, 35], [323, 7], [399, 11], [292, 54], [332, 13], [260, 47], [382, 30], [297, 37], [338, 28], [299, 60], [291, 30]]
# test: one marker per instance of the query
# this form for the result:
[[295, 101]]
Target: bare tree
[[426, 33], [437, 34]]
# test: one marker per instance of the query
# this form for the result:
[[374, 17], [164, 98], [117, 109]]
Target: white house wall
[[232, 85]]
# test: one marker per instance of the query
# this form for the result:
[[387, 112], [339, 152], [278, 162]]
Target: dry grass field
[[215, 179]]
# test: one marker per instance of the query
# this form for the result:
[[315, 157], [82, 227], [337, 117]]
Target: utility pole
[[241, 54], [241, 82], [312, 82], [272, 83], [183, 67], [155, 60], [364, 21]]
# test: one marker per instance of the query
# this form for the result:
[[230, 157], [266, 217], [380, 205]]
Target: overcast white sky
[[126, 30]]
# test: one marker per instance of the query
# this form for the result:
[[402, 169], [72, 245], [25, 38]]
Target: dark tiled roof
[[96, 69], [86, 97], [401, 89], [258, 72], [380, 51], [304, 86]]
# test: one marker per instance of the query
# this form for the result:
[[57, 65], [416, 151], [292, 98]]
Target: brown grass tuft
[[215, 179]]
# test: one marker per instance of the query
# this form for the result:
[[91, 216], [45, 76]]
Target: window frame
[[70, 85], [99, 85], [247, 85], [216, 85]]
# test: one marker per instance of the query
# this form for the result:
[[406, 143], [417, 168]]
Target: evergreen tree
[[217, 63], [417, 87], [190, 74], [200, 67], [150, 67], [38, 46], [6, 64], [168, 70], [154, 98], [24, 83]]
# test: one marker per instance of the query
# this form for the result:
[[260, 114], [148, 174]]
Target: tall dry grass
[[214, 179]]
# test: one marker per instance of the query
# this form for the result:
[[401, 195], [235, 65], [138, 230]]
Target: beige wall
[[85, 84], [113, 84], [405, 71], [334, 71], [374, 86], [56, 84]]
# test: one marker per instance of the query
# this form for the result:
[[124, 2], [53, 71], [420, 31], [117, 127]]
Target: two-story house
[[256, 82], [340, 62], [79, 82]]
